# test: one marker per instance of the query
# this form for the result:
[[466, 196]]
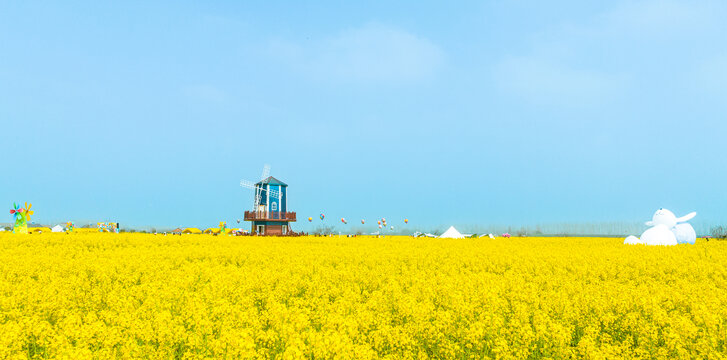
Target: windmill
[[260, 191], [269, 215]]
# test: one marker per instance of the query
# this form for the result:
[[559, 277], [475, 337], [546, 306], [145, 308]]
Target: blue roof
[[272, 181]]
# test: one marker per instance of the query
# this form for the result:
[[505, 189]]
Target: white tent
[[57, 228], [452, 233], [421, 234]]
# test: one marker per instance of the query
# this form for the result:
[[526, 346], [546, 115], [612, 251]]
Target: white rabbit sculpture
[[666, 229]]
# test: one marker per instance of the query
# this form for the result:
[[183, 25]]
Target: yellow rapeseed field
[[124, 296]]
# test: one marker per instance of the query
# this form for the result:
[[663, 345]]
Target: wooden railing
[[269, 215]]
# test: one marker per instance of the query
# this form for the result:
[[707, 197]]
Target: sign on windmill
[[269, 214]]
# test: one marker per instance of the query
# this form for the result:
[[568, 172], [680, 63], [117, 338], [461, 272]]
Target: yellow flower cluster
[[105, 296]]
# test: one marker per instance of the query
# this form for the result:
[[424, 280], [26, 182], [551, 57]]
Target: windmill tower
[[269, 214]]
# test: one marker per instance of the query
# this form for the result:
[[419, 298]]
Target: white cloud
[[661, 16], [600, 58], [541, 80], [710, 76], [205, 93], [372, 53]]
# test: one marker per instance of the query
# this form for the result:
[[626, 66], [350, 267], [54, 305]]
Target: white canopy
[[57, 228], [452, 233], [421, 234]]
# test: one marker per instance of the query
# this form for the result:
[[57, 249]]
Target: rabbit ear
[[687, 217], [649, 223]]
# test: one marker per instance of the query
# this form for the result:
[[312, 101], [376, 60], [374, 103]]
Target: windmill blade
[[274, 193], [256, 202], [247, 184], [259, 189]]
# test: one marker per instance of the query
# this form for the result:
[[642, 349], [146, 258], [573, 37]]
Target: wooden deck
[[269, 216]]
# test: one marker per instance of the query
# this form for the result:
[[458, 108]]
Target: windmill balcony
[[269, 216]]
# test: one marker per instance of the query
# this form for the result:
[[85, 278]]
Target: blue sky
[[499, 112]]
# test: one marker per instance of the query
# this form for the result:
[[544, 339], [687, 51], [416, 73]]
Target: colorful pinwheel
[[15, 211], [28, 212], [21, 215]]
